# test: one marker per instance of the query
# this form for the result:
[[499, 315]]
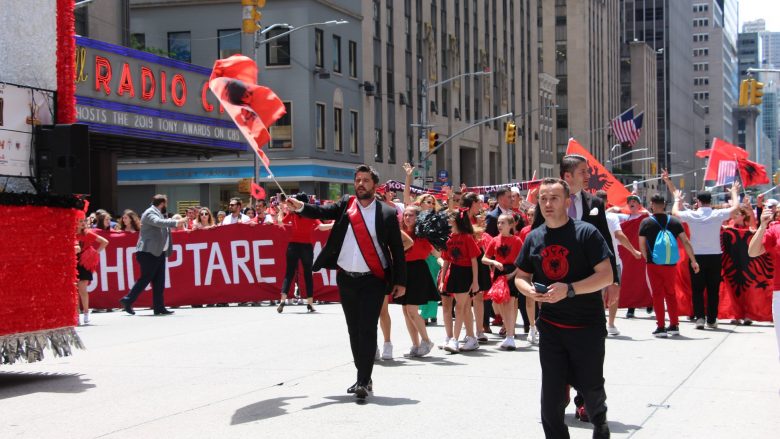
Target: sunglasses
[[233, 204], [204, 214]]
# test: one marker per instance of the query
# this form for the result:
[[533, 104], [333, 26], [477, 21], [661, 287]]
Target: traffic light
[[433, 141], [251, 15], [653, 168], [511, 132], [776, 178], [756, 92], [744, 92]]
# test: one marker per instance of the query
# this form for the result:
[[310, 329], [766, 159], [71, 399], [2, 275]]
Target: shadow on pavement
[[24, 383], [351, 399], [614, 426], [258, 411]]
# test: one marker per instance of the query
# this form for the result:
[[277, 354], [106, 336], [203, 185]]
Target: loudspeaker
[[62, 158]]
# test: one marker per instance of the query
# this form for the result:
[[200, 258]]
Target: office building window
[[353, 132], [337, 137], [281, 131], [353, 59], [319, 126], [229, 42], [336, 54], [277, 51], [180, 46], [137, 41], [319, 56]]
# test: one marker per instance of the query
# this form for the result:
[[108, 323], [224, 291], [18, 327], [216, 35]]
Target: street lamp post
[[424, 126]]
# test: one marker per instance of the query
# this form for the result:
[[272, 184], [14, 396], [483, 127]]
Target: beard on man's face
[[365, 195]]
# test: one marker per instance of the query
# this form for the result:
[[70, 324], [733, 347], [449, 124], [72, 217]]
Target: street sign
[[424, 145]]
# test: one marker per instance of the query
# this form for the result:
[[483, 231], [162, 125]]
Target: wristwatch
[[570, 291]]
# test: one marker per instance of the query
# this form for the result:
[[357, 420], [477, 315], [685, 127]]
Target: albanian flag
[[252, 107], [258, 193], [634, 291], [746, 283], [600, 178], [752, 173]]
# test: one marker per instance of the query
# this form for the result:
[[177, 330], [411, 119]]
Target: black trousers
[[708, 278], [572, 356], [361, 300], [297, 251], [152, 271]]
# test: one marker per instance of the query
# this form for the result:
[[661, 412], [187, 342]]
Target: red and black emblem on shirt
[[554, 262], [503, 251]]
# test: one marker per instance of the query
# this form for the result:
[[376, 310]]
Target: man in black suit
[[503, 205], [365, 275]]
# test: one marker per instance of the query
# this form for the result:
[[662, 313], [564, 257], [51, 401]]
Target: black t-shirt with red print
[[566, 254]]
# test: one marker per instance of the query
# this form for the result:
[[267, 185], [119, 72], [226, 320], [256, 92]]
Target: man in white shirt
[[263, 217], [705, 224], [235, 216], [365, 247]]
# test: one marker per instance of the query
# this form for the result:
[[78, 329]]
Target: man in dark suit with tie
[[153, 249], [365, 247], [503, 205]]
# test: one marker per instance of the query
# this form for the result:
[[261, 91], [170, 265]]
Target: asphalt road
[[250, 372]]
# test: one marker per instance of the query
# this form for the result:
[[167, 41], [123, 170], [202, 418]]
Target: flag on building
[[752, 173], [627, 128], [721, 151], [252, 107]]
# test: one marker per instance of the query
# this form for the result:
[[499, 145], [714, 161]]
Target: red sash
[[363, 238]]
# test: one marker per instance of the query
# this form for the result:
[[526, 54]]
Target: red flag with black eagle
[[252, 107], [600, 178], [752, 173]]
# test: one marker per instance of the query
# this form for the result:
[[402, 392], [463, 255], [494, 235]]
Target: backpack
[[665, 250]]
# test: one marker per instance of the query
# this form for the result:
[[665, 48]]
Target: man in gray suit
[[152, 252]]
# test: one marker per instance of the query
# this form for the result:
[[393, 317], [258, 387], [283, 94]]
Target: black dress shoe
[[127, 307], [361, 392], [164, 312], [369, 387]]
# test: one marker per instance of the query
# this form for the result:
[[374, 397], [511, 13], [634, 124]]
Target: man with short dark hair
[[365, 247], [153, 249], [705, 223], [570, 260], [235, 216], [662, 276], [503, 206]]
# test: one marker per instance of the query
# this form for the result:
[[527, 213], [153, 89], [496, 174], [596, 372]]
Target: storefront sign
[[130, 92], [21, 109]]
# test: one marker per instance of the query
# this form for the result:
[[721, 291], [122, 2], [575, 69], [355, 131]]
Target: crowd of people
[[504, 255]]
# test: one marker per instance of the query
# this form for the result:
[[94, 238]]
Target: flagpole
[[770, 189], [739, 176]]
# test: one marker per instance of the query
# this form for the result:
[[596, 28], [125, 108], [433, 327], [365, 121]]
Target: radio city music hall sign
[[129, 92]]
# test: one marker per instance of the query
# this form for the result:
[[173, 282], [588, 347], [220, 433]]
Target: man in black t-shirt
[[572, 260], [662, 277]]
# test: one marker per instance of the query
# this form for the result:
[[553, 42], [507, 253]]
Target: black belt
[[354, 274]]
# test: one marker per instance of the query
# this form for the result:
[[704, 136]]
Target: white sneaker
[[482, 337], [86, 317], [611, 330], [508, 344], [452, 346], [533, 336], [413, 351], [470, 344], [713, 325], [286, 302], [424, 348], [444, 343], [387, 351], [376, 357], [699, 323]]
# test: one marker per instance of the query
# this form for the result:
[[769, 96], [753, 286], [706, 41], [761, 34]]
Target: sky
[[769, 10]]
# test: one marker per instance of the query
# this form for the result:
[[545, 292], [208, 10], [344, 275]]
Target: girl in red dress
[[460, 278], [86, 262], [501, 254]]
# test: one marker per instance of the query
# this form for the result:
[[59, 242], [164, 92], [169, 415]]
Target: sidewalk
[[250, 372]]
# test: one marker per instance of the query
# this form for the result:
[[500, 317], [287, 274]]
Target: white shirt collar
[[370, 206]]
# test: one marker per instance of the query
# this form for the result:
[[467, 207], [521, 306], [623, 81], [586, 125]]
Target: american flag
[[627, 127], [727, 172]]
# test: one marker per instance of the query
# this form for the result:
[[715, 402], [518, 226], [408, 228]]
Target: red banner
[[600, 178], [634, 292], [226, 264]]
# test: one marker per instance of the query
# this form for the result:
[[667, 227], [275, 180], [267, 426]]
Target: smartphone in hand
[[540, 288]]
